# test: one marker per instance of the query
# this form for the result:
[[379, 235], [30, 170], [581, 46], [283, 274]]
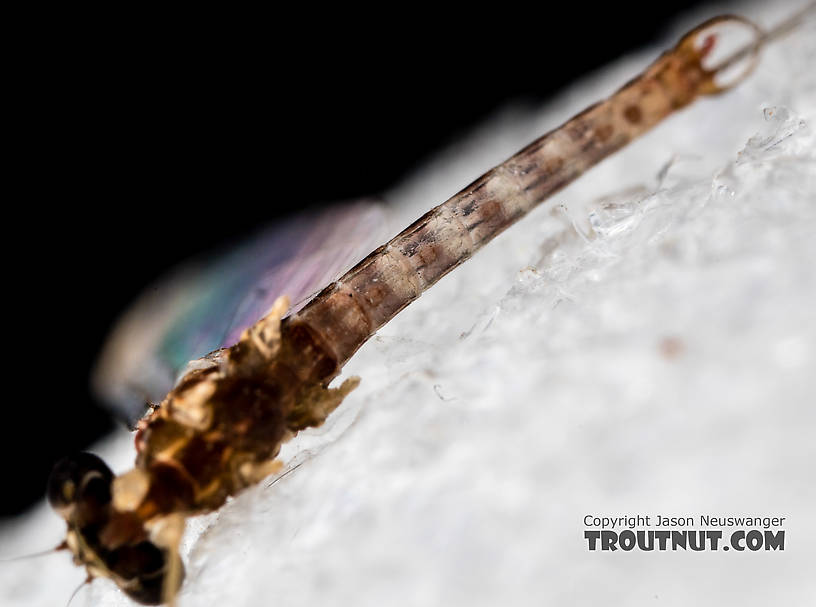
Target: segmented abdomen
[[345, 314]]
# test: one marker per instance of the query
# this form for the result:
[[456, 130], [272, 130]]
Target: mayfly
[[220, 428]]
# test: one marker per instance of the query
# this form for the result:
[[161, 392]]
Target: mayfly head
[[106, 542]]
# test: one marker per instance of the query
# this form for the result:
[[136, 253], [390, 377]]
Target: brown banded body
[[220, 429], [350, 310]]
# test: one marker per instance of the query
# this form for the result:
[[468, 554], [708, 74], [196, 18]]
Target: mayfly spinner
[[220, 429]]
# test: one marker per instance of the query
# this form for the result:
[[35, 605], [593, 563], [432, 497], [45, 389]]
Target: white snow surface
[[643, 343]]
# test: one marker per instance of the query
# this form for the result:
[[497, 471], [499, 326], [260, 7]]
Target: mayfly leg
[[288, 471], [302, 457]]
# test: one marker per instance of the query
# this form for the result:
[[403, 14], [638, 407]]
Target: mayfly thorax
[[220, 429]]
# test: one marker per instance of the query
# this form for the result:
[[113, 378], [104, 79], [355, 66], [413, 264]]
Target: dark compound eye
[[80, 479], [79, 489]]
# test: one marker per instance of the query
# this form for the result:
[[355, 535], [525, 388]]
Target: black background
[[139, 140]]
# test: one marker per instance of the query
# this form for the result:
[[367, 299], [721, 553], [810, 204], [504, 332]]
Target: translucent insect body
[[221, 427]]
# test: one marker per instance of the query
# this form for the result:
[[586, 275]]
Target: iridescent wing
[[205, 304]]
